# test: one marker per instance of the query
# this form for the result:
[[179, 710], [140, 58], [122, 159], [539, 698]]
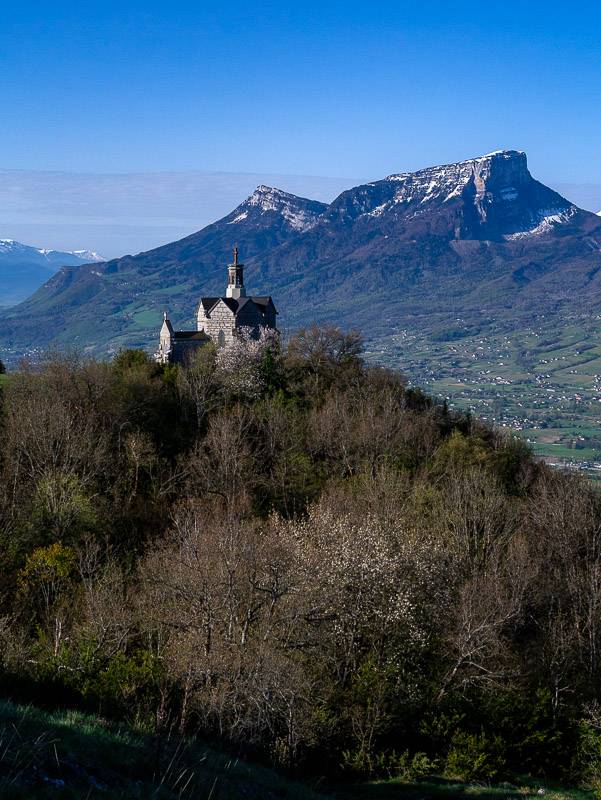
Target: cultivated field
[[531, 377]]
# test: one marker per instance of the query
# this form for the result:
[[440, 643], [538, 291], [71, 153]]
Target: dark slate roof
[[190, 335], [233, 304], [208, 303]]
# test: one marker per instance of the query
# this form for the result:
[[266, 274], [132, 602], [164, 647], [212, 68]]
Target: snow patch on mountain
[[298, 213], [89, 256], [238, 218], [544, 222]]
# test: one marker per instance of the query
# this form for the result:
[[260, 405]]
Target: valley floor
[[528, 376]]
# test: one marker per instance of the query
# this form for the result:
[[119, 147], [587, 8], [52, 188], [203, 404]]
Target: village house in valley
[[218, 319]]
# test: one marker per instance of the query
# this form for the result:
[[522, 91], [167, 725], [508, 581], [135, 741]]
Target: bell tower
[[235, 278]]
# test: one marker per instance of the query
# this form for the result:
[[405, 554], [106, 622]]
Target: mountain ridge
[[480, 233]]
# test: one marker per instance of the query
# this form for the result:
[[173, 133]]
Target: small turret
[[165, 341], [235, 278]]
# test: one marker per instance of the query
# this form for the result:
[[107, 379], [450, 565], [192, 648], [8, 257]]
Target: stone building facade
[[218, 319]]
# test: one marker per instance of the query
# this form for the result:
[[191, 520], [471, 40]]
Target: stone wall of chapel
[[221, 321], [201, 318], [165, 340]]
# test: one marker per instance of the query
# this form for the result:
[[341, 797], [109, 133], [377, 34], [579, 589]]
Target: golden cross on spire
[[236, 255]]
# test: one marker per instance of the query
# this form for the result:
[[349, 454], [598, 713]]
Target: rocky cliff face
[[485, 197]]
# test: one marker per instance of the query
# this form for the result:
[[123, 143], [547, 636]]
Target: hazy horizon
[[119, 213]]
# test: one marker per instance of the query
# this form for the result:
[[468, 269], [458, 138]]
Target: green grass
[[69, 755], [443, 789], [171, 290], [145, 318], [73, 756]]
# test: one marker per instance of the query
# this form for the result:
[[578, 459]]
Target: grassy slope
[[70, 755], [441, 789]]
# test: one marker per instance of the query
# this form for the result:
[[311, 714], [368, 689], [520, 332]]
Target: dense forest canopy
[[284, 548]]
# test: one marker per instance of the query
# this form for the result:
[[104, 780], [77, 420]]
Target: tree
[[44, 584], [199, 382], [316, 358], [241, 366]]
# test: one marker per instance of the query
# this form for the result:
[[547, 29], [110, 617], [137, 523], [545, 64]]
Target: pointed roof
[[166, 326]]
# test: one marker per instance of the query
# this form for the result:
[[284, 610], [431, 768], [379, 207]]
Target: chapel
[[218, 319]]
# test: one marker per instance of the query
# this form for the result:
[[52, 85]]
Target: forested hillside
[[295, 555]]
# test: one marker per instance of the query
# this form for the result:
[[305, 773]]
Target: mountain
[[478, 234], [23, 269], [480, 238]]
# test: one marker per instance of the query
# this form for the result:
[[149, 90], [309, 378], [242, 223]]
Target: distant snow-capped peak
[[85, 255], [88, 256], [8, 246]]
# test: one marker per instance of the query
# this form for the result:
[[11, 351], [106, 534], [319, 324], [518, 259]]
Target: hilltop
[[476, 279], [293, 555]]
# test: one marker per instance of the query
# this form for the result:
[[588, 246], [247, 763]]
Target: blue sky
[[351, 90]]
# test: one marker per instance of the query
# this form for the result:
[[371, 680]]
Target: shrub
[[391, 764], [475, 757], [587, 760], [409, 767]]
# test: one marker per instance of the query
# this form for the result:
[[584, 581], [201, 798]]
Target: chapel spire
[[235, 278]]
